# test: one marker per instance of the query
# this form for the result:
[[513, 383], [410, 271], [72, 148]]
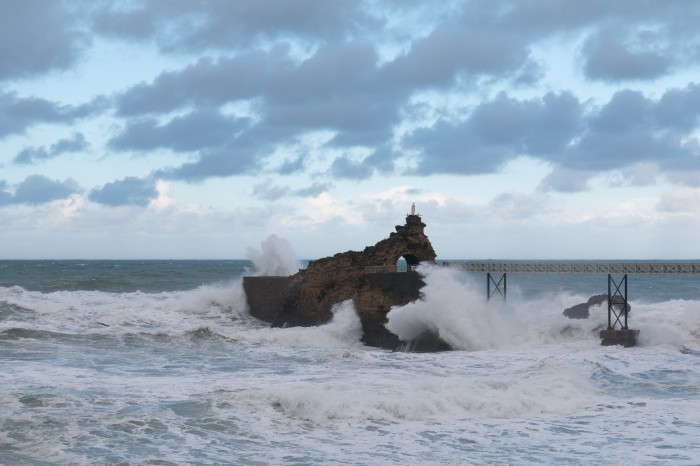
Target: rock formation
[[368, 277], [582, 311]]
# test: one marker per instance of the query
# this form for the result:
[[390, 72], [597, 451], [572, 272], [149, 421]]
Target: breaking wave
[[274, 258], [454, 308]]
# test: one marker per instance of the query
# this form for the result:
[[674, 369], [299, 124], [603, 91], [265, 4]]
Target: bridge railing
[[389, 268], [674, 268]]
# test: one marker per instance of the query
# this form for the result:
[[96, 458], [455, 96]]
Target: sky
[[195, 129]]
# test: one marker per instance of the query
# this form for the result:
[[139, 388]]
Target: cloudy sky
[[526, 129]]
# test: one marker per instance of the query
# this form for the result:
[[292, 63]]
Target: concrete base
[[624, 337]]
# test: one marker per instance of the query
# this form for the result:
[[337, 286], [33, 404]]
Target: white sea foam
[[80, 312], [274, 258], [403, 397], [344, 329], [221, 310], [675, 322], [455, 309], [540, 390], [320, 397]]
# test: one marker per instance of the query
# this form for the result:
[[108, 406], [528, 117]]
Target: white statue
[[413, 209]]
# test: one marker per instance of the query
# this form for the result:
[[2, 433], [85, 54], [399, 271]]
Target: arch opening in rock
[[407, 262]]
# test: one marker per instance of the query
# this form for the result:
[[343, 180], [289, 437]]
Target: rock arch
[[411, 261]]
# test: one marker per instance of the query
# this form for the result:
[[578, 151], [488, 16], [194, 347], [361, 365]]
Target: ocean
[[159, 362]]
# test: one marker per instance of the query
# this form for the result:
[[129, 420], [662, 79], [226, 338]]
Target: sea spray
[[90, 312], [454, 310], [275, 258], [675, 322], [343, 330]]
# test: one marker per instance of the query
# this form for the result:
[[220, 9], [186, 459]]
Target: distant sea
[[159, 362]]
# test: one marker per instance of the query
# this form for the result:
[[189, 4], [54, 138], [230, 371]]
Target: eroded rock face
[[375, 294], [367, 277]]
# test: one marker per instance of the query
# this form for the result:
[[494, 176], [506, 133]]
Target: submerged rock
[[582, 311], [426, 342]]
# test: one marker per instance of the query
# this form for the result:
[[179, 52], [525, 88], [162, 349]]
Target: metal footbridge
[[649, 268], [618, 308]]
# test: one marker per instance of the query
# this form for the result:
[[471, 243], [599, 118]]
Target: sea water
[[159, 362]]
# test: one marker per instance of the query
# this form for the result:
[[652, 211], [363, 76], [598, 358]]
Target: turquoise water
[[158, 362]]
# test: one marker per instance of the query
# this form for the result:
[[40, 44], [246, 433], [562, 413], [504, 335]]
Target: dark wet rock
[[582, 311], [426, 342]]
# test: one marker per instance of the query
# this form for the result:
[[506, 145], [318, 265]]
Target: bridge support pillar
[[617, 332], [499, 287]]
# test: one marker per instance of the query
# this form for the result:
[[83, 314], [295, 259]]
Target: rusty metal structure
[[498, 287]]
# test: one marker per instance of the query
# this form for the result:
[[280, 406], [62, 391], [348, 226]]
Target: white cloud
[[322, 209], [680, 200], [518, 206], [327, 121], [71, 207], [164, 200]]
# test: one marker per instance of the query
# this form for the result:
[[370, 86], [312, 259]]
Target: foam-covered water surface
[[89, 376]]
